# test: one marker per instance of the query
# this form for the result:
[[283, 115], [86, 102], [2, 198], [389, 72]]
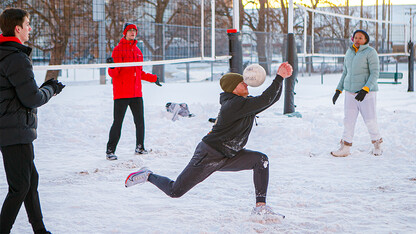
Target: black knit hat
[[229, 81], [367, 38]]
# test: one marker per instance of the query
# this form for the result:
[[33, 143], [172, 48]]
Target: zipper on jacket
[[27, 116]]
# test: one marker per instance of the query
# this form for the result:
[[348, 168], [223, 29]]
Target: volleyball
[[254, 75]]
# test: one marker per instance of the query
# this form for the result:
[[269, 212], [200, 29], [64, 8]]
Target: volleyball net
[[328, 34]]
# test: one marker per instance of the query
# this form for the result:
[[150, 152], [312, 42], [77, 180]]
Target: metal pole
[[411, 50], [101, 42], [162, 78], [376, 25], [98, 15], [202, 29], [383, 35], [322, 72], [189, 54], [411, 67], [213, 29], [289, 106], [212, 70], [236, 51], [236, 14], [187, 72]]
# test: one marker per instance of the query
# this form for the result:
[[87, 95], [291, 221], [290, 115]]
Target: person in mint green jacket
[[359, 80]]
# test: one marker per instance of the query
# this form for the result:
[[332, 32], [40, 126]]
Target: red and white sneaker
[[138, 177]]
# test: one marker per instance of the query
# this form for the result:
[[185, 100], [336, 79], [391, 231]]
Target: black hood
[[9, 47], [225, 96]]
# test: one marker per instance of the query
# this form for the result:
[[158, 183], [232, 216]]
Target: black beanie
[[367, 38], [229, 81]]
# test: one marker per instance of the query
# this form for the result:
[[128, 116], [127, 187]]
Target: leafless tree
[[52, 22]]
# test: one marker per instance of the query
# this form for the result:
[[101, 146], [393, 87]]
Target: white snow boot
[[377, 151], [343, 151]]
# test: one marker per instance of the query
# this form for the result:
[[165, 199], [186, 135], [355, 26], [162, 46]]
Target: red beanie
[[127, 27]]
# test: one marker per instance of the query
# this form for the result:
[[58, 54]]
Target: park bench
[[395, 76]]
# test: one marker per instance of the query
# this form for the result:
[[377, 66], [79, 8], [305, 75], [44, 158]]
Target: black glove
[[336, 95], [52, 82], [361, 95], [59, 88], [110, 60], [56, 86], [157, 82]]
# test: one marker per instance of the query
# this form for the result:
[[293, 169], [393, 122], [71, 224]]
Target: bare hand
[[285, 70]]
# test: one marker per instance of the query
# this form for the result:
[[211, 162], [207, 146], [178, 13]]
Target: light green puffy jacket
[[360, 69]]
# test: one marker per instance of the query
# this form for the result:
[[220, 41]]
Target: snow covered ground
[[82, 192]]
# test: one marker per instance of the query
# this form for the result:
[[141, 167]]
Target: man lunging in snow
[[222, 149]]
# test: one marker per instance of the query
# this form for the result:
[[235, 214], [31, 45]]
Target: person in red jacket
[[127, 90]]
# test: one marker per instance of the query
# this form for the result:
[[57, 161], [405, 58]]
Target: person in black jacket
[[222, 149], [19, 98]]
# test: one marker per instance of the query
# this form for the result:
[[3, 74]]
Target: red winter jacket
[[127, 81]]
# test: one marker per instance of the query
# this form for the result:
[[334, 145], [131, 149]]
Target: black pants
[[22, 178], [120, 107], [206, 161]]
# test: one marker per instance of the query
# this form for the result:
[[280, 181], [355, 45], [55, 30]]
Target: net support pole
[[289, 103], [202, 29], [213, 29], [236, 14], [411, 66], [236, 51]]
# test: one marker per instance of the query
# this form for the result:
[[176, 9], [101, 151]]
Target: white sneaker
[[138, 177], [265, 210], [111, 156], [377, 150], [140, 150], [343, 151]]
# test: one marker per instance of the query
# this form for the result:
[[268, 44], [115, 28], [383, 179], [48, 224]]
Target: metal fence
[[85, 32]]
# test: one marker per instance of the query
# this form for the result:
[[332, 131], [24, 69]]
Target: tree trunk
[[60, 38], [57, 54]]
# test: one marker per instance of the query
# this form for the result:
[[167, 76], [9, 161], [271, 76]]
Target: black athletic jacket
[[19, 94], [235, 119]]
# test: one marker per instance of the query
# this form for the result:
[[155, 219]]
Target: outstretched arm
[[285, 70], [271, 95]]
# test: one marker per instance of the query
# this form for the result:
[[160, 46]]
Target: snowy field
[[82, 192]]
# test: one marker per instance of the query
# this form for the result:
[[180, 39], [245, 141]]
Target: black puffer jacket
[[235, 119], [19, 94]]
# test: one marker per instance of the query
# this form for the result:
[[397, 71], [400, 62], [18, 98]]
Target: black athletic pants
[[22, 178], [120, 107], [206, 161]]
